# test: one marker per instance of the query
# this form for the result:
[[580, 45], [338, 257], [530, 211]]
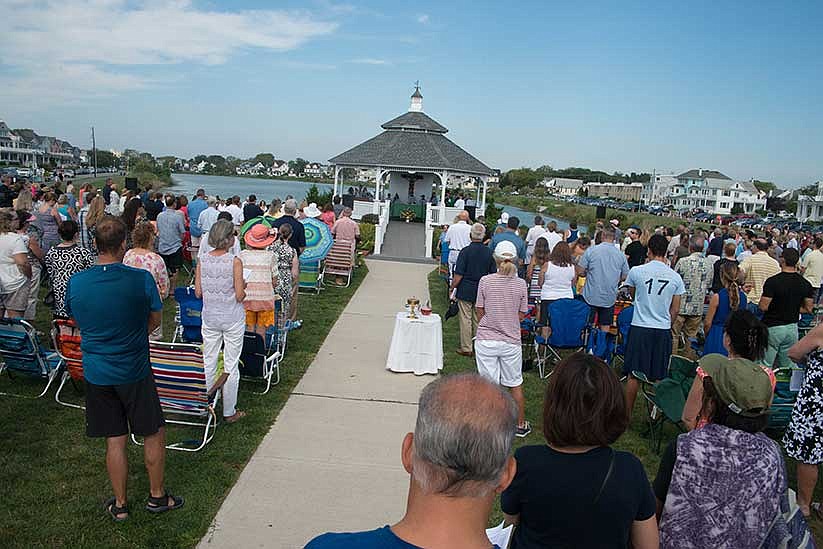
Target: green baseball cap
[[743, 385]]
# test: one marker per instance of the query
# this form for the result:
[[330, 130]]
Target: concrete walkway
[[331, 461]]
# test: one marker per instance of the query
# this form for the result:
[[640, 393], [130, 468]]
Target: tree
[[314, 195], [267, 159], [764, 186], [105, 159], [298, 166]]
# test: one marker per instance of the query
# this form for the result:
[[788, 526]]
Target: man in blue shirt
[[446, 504], [474, 262], [196, 207], [656, 289], [604, 267], [116, 307], [510, 234]]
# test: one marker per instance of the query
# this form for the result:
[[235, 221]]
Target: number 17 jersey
[[655, 284]]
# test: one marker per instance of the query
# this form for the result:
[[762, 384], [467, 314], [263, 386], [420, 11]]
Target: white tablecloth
[[416, 345]]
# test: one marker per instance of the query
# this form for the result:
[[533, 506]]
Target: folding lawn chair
[[665, 399], [256, 363], [188, 316], [780, 412], [311, 276], [21, 353], [569, 320], [181, 385], [528, 331], [66, 338], [340, 261], [277, 334]]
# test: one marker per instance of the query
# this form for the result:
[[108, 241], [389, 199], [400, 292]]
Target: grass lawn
[[55, 479], [534, 387]]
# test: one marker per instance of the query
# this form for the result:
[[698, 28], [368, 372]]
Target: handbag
[[453, 310]]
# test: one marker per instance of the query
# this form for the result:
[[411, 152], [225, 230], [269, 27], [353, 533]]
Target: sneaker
[[524, 431]]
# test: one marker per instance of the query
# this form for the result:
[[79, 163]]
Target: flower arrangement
[[407, 215]]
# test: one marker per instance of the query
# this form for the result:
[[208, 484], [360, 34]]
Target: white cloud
[[370, 61], [105, 46], [423, 18]]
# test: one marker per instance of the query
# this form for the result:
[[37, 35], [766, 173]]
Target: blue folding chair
[[189, 316], [21, 353], [277, 334], [569, 321]]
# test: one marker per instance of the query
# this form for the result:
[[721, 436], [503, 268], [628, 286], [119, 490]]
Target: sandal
[[235, 418], [161, 504], [113, 510], [815, 511]]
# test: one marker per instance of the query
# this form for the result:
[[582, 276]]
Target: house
[[627, 192], [313, 169], [810, 208], [716, 193], [657, 191], [559, 186], [278, 169]]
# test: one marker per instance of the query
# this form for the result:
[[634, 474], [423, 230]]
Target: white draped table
[[416, 345]]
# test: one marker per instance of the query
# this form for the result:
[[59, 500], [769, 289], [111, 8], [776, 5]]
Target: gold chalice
[[413, 303]]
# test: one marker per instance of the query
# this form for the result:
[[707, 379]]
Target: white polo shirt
[[459, 236]]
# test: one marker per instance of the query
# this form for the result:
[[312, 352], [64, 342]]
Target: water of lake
[[264, 189], [267, 189]]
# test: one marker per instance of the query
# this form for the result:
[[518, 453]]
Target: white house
[[716, 193], [657, 191], [278, 169], [313, 169], [810, 208], [560, 186]]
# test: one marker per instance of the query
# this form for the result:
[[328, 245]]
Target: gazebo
[[412, 161]]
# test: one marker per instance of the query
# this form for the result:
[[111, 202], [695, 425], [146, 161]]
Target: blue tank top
[[572, 236]]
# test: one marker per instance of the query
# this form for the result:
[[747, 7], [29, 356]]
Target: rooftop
[[703, 174]]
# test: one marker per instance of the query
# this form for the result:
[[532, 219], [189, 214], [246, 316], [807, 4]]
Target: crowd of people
[[729, 301], [94, 248]]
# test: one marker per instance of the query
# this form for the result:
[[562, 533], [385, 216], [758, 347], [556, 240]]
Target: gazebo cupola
[[416, 100]]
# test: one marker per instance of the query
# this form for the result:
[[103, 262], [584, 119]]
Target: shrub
[[321, 199], [436, 242], [366, 237], [371, 219]]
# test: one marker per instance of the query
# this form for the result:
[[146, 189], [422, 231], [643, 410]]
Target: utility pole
[[94, 150]]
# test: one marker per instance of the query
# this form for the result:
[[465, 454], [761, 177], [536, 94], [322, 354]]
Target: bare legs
[[806, 481], [517, 395], [154, 454], [632, 386]]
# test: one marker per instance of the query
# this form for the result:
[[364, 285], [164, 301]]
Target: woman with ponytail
[[745, 339], [728, 299], [502, 302]]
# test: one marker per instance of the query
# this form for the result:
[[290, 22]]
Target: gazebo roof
[[415, 121], [413, 151], [412, 141]]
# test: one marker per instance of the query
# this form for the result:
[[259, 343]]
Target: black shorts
[[173, 261], [648, 350], [603, 315], [114, 410]]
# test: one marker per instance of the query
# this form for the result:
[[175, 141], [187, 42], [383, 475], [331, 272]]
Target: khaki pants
[[468, 324], [685, 327]]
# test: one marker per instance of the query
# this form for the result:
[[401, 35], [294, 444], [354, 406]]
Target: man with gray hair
[[208, 217], [458, 238], [697, 274], [458, 460], [473, 263]]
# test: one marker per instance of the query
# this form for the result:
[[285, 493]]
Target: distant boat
[[541, 209]]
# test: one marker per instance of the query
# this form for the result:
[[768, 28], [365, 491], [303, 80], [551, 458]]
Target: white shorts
[[500, 362]]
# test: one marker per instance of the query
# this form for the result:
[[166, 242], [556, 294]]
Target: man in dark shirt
[[6, 194], [716, 243], [729, 250], [785, 296], [107, 191], [474, 262], [154, 207], [251, 209], [635, 251]]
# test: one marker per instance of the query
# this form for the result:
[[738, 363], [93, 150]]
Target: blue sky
[[617, 86]]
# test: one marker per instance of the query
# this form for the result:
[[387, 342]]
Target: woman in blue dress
[[729, 298]]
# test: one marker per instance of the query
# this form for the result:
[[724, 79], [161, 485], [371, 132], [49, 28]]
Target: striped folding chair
[[66, 338], [311, 277], [340, 261], [181, 385], [21, 353]]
